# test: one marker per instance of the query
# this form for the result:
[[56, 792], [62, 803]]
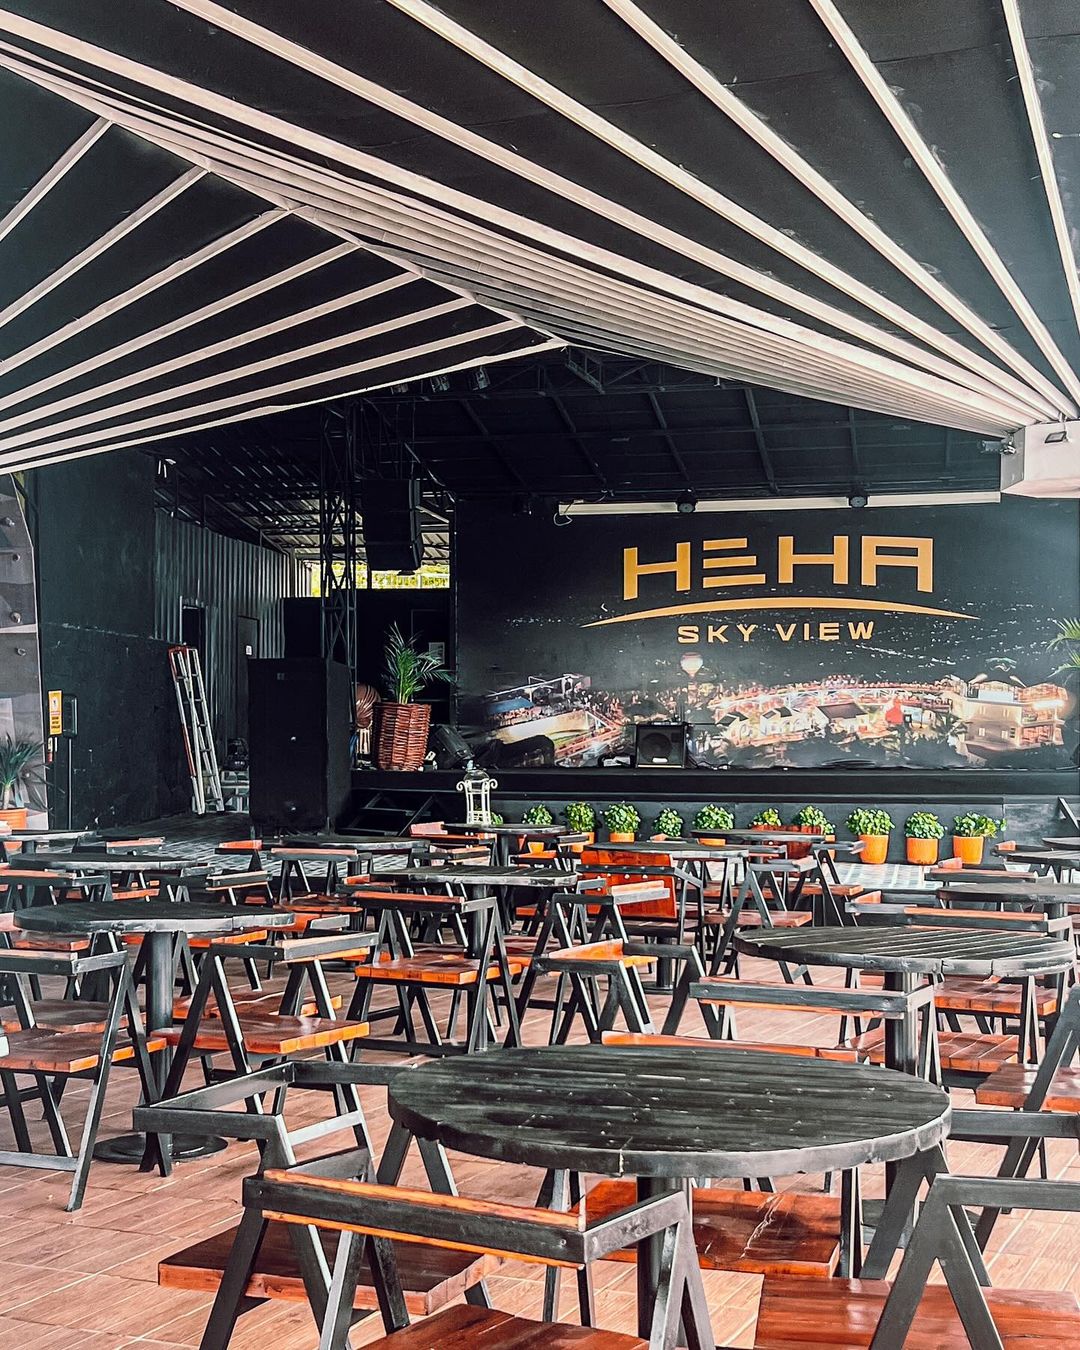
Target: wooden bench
[[1011, 1085], [967, 1052]]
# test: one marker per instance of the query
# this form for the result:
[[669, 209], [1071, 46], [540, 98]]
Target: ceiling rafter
[[202, 98], [52, 176], [669, 439]]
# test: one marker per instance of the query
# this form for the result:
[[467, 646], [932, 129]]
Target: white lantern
[[477, 787]]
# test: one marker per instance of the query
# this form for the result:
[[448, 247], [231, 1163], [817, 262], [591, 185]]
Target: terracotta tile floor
[[87, 1281]]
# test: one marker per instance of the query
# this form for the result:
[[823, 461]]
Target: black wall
[[94, 526]]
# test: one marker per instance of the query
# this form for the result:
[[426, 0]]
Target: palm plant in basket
[[404, 723], [16, 757]]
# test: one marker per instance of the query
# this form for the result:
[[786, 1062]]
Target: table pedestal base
[[129, 1148]]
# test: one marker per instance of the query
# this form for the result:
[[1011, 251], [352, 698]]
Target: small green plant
[[810, 817], [622, 818], [713, 817], [669, 823], [580, 817], [768, 818], [872, 823], [15, 760], [496, 819], [407, 670], [538, 815], [923, 825], [971, 825]]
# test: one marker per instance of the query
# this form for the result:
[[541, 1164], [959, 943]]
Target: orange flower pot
[[621, 837], [536, 846], [969, 851], [714, 843], [922, 852], [15, 817], [876, 847]]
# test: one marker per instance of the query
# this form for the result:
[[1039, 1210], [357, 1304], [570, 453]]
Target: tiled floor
[[87, 1281]]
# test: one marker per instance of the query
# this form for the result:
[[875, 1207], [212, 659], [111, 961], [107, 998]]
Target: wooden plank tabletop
[[111, 862], [764, 836], [1032, 892], [923, 951], [900, 878], [1061, 857], [150, 916], [652, 1111], [483, 876]]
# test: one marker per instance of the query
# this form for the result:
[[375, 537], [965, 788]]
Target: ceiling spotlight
[[401, 388], [440, 383], [686, 506], [858, 500], [480, 379]]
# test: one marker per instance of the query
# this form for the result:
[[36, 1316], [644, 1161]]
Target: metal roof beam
[[759, 438]]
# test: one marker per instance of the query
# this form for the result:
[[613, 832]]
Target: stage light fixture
[[440, 383], [857, 501], [686, 506]]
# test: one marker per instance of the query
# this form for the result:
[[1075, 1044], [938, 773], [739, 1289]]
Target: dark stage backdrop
[[894, 636]]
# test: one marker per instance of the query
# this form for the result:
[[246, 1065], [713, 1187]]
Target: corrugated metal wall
[[232, 582]]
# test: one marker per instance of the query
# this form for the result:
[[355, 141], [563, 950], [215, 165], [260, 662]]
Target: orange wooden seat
[[1010, 1086], [431, 965], [250, 1000], [430, 1276], [41, 1050], [839, 1053], [49, 942], [991, 997], [842, 892], [135, 893], [750, 918], [842, 1315], [961, 1051], [758, 1232], [200, 944], [62, 1014], [270, 1034], [595, 953], [462, 1326]]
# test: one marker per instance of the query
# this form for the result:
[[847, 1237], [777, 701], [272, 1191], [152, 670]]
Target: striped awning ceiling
[[214, 211]]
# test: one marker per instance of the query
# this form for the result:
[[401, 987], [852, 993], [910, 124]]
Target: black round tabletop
[[660, 1111], [926, 951], [89, 861], [149, 916]]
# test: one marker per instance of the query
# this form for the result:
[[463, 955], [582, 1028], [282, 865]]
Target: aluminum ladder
[[206, 793]]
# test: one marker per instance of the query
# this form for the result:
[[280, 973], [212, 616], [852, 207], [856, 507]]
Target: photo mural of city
[[913, 637]]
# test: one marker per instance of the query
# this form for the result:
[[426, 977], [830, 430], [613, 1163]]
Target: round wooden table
[[906, 955], [158, 922], [665, 1115], [1053, 897]]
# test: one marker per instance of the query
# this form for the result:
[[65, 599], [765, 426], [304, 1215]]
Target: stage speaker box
[[450, 747], [300, 718], [660, 745], [391, 513]]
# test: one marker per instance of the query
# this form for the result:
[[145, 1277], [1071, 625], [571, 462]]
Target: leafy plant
[[769, 818], [669, 823], [622, 818], [813, 819], [580, 817], [713, 817], [923, 825], [971, 825], [863, 820], [15, 760], [1068, 636], [537, 815], [407, 670], [496, 819]]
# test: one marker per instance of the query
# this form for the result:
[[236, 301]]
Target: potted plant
[[669, 824], [622, 821], [768, 818], [809, 820], [713, 817], [581, 819], [873, 828], [404, 723], [496, 819], [537, 815], [16, 758], [923, 830], [970, 833]]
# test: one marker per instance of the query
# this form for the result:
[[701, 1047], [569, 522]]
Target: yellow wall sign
[[56, 712]]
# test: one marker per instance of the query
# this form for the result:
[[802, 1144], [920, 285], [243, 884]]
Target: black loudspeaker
[[660, 745], [391, 512], [300, 719], [451, 749]]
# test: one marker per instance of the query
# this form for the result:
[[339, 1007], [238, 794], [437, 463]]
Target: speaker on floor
[[390, 508], [300, 719], [660, 745]]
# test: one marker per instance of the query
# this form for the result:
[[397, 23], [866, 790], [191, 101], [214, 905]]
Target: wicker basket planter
[[402, 739]]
